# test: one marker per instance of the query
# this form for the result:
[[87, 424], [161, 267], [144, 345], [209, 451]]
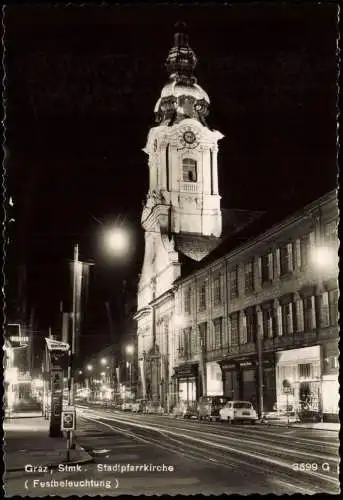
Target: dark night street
[[205, 458]]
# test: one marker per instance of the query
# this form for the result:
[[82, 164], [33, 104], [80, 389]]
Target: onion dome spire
[[181, 60]]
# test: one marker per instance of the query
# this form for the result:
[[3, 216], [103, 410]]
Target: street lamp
[[103, 361], [117, 241], [324, 258], [130, 350], [89, 368]]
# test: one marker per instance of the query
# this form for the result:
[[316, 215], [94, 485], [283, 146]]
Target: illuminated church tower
[[182, 214]]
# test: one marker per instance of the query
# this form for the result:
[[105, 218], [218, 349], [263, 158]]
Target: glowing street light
[[103, 361], [129, 349], [324, 258], [89, 368], [117, 241]]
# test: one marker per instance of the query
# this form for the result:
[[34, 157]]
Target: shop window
[[234, 283], [305, 370], [324, 310], [189, 170], [187, 300], [234, 328], [202, 297], [286, 259], [249, 277], [218, 332], [333, 307], [267, 268], [217, 295]]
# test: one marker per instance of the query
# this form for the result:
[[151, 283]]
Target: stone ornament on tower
[[181, 60]]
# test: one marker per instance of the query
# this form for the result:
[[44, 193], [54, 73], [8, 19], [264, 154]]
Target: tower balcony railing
[[188, 187]]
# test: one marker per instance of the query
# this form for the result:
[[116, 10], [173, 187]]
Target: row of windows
[[283, 261], [302, 315]]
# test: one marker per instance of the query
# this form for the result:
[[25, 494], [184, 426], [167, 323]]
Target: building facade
[[266, 313], [246, 322]]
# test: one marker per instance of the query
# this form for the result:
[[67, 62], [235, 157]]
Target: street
[[137, 454]]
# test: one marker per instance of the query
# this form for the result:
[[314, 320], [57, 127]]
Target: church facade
[[214, 316]]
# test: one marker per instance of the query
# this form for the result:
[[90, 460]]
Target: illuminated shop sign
[[19, 339]]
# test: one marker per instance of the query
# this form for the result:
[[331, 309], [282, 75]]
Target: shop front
[[241, 382], [187, 383], [214, 379], [299, 371], [330, 382]]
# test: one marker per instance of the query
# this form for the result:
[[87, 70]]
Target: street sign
[[68, 419]]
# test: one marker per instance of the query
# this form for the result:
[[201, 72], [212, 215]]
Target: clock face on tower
[[189, 137]]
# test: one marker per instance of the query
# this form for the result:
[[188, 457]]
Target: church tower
[[181, 216], [183, 189]]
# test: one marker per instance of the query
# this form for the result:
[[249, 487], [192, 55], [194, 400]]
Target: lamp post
[[130, 350]]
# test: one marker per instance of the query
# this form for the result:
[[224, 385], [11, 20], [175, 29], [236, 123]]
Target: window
[[203, 334], [287, 318], [305, 370], [330, 231], [305, 244], [242, 405], [234, 328], [202, 297], [267, 267], [267, 319], [324, 310], [187, 346], [194, 342], [249, 277], [299, 310], [187, 298], [333, 362], [189, 170], [309, 312], [210, 339], [217, 291], [234, 283], [333, 307], [251, 324], [218, 325], [286, 259]]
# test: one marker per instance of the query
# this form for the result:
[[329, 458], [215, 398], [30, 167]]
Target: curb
[[297, 426]]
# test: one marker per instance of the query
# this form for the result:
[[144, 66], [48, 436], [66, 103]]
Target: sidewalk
[[292, 422], [27, 441]]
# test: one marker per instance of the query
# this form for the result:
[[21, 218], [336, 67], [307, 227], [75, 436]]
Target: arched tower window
[[189, 170]]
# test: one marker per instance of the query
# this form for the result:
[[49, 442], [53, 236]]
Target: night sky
[[82, 83]]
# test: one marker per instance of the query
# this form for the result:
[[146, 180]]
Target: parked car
[[153, 407], [138, 406], [185, 410], [238, 411], [127, 406], [209, 406]]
